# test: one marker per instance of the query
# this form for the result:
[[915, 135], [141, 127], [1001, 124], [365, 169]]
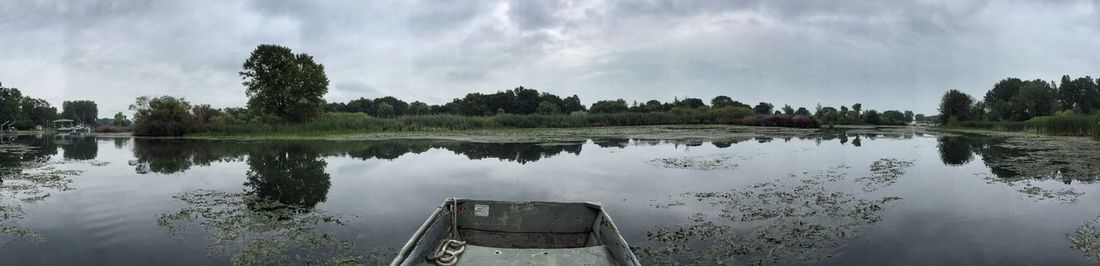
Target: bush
[[163, 116]]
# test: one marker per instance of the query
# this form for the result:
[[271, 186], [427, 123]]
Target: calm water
[[833, 199]]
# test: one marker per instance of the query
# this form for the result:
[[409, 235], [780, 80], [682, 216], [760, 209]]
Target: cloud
[[885, 54]]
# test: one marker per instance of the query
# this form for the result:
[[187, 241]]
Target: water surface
[[837, 198]]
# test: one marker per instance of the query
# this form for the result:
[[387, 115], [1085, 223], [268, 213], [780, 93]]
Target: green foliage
[[802, 111], [763, 108], [419, 108], [284, 84], [956, 106], [616, 106], [1065, 125], [120, 120], [548, 108], [82, 111], [872, 117], [163, 116], [788, 110]]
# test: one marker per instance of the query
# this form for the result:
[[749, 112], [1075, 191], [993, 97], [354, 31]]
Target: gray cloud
[[885, 54]]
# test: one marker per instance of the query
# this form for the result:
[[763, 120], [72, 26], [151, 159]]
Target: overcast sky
[[885, 54]]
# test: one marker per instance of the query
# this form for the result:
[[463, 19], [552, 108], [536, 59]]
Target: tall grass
[[359, 122], [1066, 125]]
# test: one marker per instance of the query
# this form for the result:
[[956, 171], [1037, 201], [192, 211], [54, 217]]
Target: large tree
[[288, 85], [955, 106], [763, 108], [82, 111]]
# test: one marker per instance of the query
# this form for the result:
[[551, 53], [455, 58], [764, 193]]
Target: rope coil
[[446, 253]]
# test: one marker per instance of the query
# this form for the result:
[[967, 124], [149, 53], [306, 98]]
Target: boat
[[485, 232]]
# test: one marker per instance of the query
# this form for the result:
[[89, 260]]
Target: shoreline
[[524, 135]]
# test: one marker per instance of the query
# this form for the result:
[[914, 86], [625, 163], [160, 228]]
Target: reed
[[1065, 125], [358, 122]]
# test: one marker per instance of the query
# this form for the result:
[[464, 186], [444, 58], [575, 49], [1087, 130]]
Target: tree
[[802, 111], [763, 108], [788, 110], [204, 114], [920, 118], [397, 107], [692, 103], [419, 108], [38, 111], [652, 106], [120, 120], [82, 111], [572, 104], [279, 82], [548, 108], [955, 106], [163, 116], [999, 99], [1035, 98], [908, 116], [384, 109], [721, 101], [856, 108], [872, 117], [893, 117], [9, 104], [616, 106], [843, 113]]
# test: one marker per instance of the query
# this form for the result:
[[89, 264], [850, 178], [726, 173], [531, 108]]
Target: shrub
[[163, 116]]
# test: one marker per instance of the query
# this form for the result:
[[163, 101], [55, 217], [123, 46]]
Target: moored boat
[[483, 232]]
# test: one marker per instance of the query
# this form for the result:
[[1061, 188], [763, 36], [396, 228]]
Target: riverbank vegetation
[[286, 93], [1068, 108], [23, 112]]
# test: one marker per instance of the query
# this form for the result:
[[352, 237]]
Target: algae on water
[[256, 231], [800, 220], [1086, 239]]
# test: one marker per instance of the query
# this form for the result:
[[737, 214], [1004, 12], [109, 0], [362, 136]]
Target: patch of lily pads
[[257, 231], [1086, 239], [25, 183], [797, 220], [703, 162]]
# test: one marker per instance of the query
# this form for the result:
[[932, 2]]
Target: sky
[[898, 54]]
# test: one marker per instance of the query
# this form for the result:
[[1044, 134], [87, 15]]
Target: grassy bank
[[336, 123], [1072, 125]]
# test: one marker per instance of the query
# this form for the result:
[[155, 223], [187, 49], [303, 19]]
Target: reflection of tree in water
[[289, 175], [795, 222], [955, 150], [1086, 239], [274, 221], [26, 177], [1020, 161], [611, 142], [176, 156], [79, 148]]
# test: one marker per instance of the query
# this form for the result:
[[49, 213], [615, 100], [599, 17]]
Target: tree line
[[1013, 99], [27, 112], [288, 87]]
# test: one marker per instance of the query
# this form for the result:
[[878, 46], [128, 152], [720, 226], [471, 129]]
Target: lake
[[835, 198]]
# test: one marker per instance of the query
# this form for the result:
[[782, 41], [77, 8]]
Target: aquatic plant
[[25, 183], [704, 162], [1086, 239], [884, 172], [259, 231], [797, 220]]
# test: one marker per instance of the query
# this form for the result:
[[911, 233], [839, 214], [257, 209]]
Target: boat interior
[[524, 233]]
